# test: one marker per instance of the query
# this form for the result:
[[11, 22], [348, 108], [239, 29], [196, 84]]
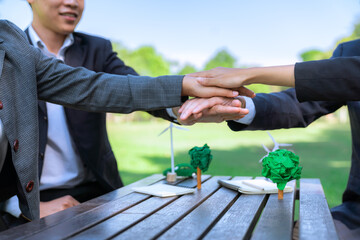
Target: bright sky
[[260, 32]]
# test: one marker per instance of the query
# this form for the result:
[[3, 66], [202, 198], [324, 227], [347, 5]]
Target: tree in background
[[145, 60], [316, 54], [221, 59], [186, 69]]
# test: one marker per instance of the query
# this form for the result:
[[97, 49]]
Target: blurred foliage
[[316, 54], [145, 60], [222, 58], [187, 68]]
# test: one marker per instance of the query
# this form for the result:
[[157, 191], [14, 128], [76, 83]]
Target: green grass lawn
[[324, 150]]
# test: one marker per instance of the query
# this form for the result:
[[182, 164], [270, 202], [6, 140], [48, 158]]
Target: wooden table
[[214, 212]]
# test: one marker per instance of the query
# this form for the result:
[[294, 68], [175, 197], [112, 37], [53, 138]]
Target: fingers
[[243, 91], [56, 205], [209, 81], [212, 110], [207, 92], [191, 87], [197, 105], [228, 111], [68, 201]]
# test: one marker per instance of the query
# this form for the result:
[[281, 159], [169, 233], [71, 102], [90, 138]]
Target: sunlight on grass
[[324, 150], [339, 164]]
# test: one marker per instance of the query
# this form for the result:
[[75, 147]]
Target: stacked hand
[[215, 109], [192, 87], [214, 103], [227, 83]]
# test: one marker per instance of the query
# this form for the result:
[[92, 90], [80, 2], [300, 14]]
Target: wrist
[[251, 75], [184, 88]]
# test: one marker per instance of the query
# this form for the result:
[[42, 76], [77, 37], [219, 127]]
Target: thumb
[[243, 91]]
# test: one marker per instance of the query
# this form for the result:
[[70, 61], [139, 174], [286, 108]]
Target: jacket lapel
[[75, 54], [42, 105], [28, 35], [2, 56]]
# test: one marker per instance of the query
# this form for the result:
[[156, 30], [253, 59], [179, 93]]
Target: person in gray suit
[[76, 162], [27, 75], [321, 87]]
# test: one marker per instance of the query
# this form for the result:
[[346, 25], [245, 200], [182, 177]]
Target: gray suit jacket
[[27, 75]]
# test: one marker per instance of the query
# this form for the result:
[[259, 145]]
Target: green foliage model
[[200, 157], [182, 169], [281, 166]]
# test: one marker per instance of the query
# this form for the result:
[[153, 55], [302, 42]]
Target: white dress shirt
[[3, 145], [62, 167]]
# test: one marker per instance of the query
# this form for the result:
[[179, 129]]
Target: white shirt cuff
[[11, 206], [171, 114], [252, 111]]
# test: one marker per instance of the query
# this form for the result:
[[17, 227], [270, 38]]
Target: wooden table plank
[[26, 230], [90, 218], [192, 182], [165, 218], [277, 218], [315, 220], [126, 219], [202, 218], [239, 221]]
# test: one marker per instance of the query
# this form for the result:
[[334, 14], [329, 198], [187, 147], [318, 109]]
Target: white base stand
[[171, 177]]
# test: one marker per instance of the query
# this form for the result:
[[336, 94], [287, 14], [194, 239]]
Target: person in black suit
[[336, 80]]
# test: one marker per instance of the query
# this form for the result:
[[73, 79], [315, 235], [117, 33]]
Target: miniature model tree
[[181, 169], [200, 159], [281, 166]]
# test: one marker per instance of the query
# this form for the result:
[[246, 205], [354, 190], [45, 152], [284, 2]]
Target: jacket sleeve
[[113, 64], [283, 110], [336, 79], [86, 90]]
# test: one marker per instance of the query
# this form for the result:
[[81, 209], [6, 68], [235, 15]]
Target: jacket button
[[45, 118], [1, 105], [29, 186], [16, 145], [42, 156]]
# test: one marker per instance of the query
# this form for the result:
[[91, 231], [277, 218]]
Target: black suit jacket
[[88, 129], [333, 79]]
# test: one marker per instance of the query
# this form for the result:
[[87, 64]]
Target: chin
[[68, 30]]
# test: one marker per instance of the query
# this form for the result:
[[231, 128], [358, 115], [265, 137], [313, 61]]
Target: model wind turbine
[[276, 146], [171, 176], [280, 166]]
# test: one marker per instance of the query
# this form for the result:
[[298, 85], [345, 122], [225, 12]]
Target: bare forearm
[[278, 75]]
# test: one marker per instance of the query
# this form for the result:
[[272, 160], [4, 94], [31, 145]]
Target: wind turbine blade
[[276, 144], [263, 158], [272, 138], [285, 144], [266, 149], [164, 131]]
